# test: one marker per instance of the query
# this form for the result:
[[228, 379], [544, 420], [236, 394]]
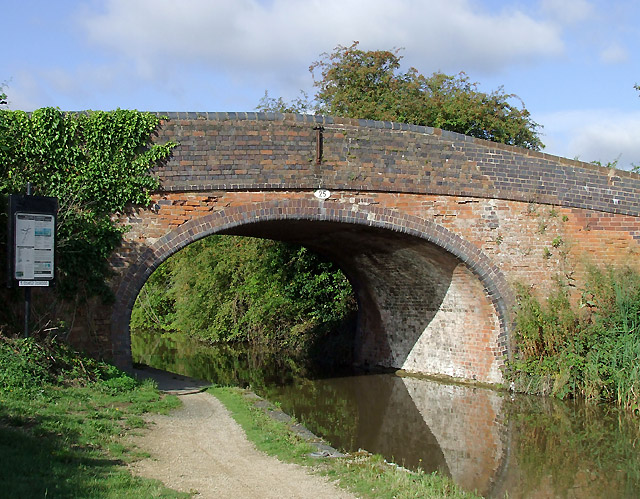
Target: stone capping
[[494, 282], [318, 119]]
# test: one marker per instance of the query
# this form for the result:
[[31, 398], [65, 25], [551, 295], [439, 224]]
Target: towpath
[[199, 448]]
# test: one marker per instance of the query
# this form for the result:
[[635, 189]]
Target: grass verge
[[62, 422], [363, 474]]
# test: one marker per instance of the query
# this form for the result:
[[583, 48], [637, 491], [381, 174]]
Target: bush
[[28, 364], [24, 365], [119, 384], [590, 349]]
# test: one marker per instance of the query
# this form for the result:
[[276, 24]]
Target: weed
[[590, 349]]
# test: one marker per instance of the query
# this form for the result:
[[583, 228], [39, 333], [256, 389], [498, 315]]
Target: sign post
[[32, 233]]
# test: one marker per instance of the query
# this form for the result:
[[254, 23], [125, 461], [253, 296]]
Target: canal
[[495, 443]]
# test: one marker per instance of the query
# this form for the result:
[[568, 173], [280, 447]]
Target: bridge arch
[[409, 273]]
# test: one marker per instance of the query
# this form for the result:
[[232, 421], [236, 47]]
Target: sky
[[573, 63]]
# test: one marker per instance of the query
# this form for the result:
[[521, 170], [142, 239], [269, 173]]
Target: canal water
[[494, 443]]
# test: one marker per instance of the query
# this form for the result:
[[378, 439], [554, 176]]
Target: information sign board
[[32, 232], [34, 246], [33, 284]]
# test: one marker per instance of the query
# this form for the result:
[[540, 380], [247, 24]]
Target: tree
[[4, 100], [301, 105], [242, 289], [354, 83]]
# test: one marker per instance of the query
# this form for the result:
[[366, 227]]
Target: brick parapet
[[254, 151]]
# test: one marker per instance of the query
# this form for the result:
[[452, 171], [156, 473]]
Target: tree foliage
[[230, 289], [96, 164], [4, 100], [355, 83], [302, 104]]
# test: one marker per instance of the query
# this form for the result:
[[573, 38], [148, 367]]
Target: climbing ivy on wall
[[96, 163]]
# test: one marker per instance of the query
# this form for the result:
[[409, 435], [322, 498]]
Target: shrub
[[28, 364], [24, 365], [589, 349]]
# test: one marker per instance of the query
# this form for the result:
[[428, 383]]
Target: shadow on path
[[172, 383]]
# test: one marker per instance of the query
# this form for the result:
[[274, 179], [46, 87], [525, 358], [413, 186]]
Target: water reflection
[[570, 450], [497, 445], [372, 412]]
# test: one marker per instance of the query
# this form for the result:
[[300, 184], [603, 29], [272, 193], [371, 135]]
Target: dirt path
[[199, 447]]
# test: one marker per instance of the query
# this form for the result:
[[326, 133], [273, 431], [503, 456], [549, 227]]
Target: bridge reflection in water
[[416, 423], [494, 443]]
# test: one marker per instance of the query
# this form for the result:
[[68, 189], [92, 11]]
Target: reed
[[589, 347]]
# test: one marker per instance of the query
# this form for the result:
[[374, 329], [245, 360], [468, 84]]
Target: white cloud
[[82, 87], [594, 135], [269, 37], [25, 92], [614, 54], [568, 11]]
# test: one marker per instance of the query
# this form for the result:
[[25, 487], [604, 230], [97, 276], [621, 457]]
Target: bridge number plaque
[[322, 194]]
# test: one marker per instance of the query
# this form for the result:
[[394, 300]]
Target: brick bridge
[[431, 227]]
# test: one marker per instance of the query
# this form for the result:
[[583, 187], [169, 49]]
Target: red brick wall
[[466, 335]]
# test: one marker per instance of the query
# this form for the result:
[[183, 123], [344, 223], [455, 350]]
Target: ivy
[[96, 163], [98, 159]]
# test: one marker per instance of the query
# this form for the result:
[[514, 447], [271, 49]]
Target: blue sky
[[572, 62]]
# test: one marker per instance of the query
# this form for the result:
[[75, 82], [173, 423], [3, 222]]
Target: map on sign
[[34, 246]]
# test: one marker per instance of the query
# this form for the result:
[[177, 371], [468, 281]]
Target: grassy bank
[[581, 343], [365, 475], [62, 422]]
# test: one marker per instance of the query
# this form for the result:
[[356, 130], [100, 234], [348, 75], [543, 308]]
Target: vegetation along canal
[[495, 443]]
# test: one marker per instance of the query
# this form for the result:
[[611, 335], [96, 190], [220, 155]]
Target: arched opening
[[263, 306], [428, 300]]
